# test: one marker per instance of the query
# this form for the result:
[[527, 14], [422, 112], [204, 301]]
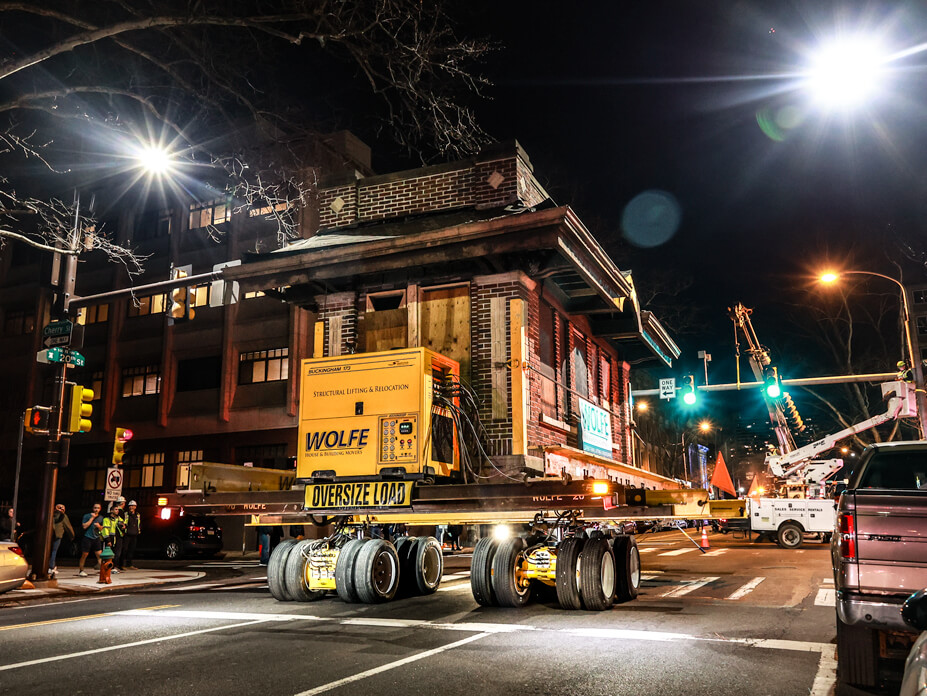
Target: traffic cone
[[704, 542]]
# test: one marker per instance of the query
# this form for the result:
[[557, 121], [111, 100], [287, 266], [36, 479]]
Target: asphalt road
[[741, 620]]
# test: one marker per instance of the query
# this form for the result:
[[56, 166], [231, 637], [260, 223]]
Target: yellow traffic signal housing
[[123, 435], [79, 409]]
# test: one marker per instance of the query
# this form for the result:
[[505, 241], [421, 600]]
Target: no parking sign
[[113, 488]]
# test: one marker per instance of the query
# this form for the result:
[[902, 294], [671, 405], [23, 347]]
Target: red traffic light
[[123, 434]]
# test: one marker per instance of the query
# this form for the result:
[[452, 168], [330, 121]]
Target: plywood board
[[518, 326], [445, 324], [386, 329], [498, 336]]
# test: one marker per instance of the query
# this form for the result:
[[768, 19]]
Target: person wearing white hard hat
[[133, 529]]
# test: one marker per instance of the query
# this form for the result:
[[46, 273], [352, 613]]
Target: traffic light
[[123, 435], [37, 420], [182, 298], [80, 409], [772, 385], [688, 390]]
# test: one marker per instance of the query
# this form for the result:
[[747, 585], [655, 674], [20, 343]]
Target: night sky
[[707, 102]]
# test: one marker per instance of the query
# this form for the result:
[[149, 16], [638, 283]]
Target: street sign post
[[70, 358], [668, 388], [113, 488], [58, 328]]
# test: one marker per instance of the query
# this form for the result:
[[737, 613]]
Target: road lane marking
[[716, 552], [451, 588], [392, 665], [690, 586], [647, 550], [222, 615], [122, 646], [455, 576], [746, 589], [826, 676], [190, 588], [677, 552], [49, 622], [826, 598]]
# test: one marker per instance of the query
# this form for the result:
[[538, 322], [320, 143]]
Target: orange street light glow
[[828, 277]]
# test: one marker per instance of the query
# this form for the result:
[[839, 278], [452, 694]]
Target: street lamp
[[846, 71], [914, 363]]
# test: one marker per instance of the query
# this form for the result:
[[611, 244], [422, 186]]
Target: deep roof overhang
[[551, 246]]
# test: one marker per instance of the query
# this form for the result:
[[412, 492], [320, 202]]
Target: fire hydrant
[[106, 566]]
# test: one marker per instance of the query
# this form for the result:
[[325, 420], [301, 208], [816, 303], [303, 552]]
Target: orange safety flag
[[721, 479], [754, 487]]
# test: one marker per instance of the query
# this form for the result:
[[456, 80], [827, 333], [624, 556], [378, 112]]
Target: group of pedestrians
[[118, 530]]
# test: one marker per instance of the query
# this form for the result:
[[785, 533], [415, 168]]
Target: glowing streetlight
[[913, 363], [642, 406], [155, 160], [846, 71], [704, 426]]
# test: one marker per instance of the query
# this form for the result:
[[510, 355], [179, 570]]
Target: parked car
[[179, 535], [914, 613], [13, 566], [879, 558]]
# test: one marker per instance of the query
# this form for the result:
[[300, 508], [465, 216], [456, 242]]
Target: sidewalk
[[69, 581]]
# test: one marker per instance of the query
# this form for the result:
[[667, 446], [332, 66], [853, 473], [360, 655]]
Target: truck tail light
[[846, 526]]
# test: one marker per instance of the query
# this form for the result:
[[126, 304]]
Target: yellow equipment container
[[370, 416]]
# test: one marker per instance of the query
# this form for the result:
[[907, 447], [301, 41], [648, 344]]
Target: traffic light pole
[[19, 466], [56, 454]]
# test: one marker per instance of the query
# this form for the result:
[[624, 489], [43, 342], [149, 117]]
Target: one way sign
[[668, 388]]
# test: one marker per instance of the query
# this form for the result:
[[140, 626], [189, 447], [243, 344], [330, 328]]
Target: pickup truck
[[879, 554]]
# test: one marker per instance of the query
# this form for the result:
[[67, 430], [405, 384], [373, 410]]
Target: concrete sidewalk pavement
[[68, 581]]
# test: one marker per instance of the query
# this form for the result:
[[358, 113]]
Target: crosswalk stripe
[[689, 587], [677, 552], [716, 552], [746, 589], [647, 550], [826, 597]]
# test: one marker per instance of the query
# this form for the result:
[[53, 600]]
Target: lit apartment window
[[17, 323], [139, 381], [263, 366], [152, 472], [149, 304], [253, 294], [94, 474], [200, 295], [184, 460], [212, 213], [93, 315], [268, 209]]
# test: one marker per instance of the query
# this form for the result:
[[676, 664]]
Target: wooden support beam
[[518, 341]]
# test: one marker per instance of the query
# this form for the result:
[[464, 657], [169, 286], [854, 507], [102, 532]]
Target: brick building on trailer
[[469, 258], [474, 261]]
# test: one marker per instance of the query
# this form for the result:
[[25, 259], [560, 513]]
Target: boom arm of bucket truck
[[901, 404]]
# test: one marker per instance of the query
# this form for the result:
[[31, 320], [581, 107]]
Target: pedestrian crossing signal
[[37, 419]]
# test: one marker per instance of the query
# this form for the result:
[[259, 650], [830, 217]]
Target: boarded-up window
[[386, 330], [580, 371], [605, 382], [548, 337], [445, 324]]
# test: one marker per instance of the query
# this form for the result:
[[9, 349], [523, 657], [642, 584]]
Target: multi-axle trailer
[[550, 532]]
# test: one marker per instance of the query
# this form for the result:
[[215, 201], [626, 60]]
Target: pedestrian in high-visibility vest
[[110, 528]]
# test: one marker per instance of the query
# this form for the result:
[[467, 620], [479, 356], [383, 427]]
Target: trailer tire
[[296, 579], [627, 569], [427, 565], [376, 572], [509, 591], [857, 657], [790, 536], [405, 549], [276, 565], [344, 570], [481, 572], [568, 573], [597, 575]]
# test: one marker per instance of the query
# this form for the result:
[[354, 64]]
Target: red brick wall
[[344, 305], [429, 189]]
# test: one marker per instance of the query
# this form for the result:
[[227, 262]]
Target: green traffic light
[[689, 398], [773, 390]]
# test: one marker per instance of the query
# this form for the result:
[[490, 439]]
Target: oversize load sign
[[364, 494], [596, 425]]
